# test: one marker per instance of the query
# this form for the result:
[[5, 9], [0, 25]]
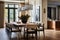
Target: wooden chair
[[31, 29], [11, 28], [40, 28]]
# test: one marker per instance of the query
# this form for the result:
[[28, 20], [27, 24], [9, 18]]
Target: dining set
[[28, 28]]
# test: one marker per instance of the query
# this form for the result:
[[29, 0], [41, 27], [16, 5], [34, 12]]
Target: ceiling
[[23, 0], [53, 0], [12, 0]]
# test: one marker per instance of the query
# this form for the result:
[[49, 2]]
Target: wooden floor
[[49, 35]]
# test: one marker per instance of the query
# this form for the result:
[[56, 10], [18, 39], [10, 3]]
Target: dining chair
[[11, 28], [40, 28], [31, 29]]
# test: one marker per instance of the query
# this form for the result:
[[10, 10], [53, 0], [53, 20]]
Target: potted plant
[[24, 18]]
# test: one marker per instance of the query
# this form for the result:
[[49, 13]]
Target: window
[[11, 12], [52, 13], [49, 12], [35, 14]]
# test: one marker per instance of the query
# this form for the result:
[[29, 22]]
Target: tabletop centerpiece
[[24, 18]]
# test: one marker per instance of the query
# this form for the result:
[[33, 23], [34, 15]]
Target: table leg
[[24, 32]]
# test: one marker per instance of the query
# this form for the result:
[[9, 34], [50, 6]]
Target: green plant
[[24, 18]]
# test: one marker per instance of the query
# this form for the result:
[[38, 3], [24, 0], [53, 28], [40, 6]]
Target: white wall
[[43, 4], [44, 14]]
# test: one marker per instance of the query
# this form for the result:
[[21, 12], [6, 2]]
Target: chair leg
[[39, 34], [18, 35], [36, 35], [32, 35], [44, 33], [27, 36], [10, 33]]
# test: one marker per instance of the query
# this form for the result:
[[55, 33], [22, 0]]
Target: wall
[[44, 12], [1, 14], [43, 15]]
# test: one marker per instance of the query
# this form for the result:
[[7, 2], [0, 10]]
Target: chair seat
[[40, 29], [30, 31], [16, 30]]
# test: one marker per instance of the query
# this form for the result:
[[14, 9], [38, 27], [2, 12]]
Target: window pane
[[16, 6], [16, 14], [11, 15], [11, 5], [37, 13], [54, 13], [49, 12], [12, 12]]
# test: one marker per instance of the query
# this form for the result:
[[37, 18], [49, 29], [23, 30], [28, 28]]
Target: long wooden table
[[28, 25]]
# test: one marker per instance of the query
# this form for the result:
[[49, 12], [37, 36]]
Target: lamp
[[26, 7]]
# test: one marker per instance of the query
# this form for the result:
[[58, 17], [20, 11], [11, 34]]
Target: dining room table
[[25, 25]]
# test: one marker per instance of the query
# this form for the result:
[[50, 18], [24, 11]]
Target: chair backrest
[[9, 25], [41, 25], [31, 26]]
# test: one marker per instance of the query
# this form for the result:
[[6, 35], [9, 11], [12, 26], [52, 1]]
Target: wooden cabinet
[[57, 24], [49, 25], [53, 25]]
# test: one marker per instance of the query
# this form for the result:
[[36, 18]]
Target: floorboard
[[49, 35]]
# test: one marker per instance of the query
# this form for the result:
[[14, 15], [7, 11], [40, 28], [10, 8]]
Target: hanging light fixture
[[27, 6]]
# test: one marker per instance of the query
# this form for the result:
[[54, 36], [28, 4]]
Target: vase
[[24, 21]]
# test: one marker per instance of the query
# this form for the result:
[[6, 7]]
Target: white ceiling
[[53, 0], [7, 0], [12, 0], [23, 0]]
